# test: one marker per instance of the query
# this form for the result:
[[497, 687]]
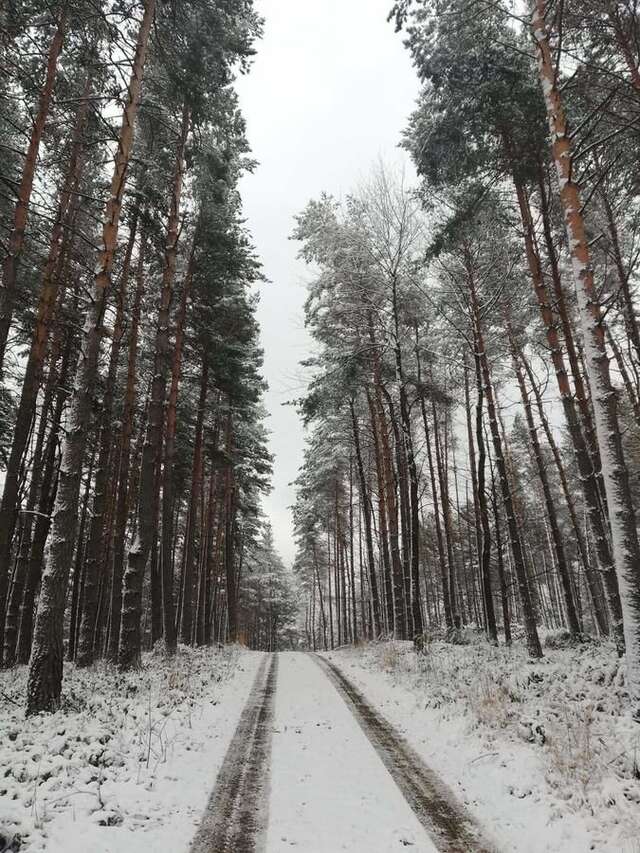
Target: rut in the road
[[236, 814], [450, 826]]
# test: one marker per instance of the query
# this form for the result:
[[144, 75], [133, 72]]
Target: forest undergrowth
[[108, 757], [571, 707]]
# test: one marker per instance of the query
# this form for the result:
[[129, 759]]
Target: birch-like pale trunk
[[624, 534]]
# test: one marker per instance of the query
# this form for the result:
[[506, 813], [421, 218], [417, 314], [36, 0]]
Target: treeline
[[474, 409], [132, 429], [269, 605]]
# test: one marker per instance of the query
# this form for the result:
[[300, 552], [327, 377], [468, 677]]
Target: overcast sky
[[328, 94]]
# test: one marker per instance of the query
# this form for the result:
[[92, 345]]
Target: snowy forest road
[[313, 767], [450, 826], [236, 813]]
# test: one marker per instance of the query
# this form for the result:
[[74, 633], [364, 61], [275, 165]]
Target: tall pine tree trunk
[[15, 243], [45, 670], [584, 459], [124, 461], [624, 534], [95, 542], [382, 513], [556, 537], [35, 360], [531, 631], [479, 482], [39, 482], [591, 574], [189, 574], [168, 610], [366, 512], [146, 533]]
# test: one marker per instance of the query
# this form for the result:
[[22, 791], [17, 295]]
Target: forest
[[132, 435], [466, 508], [474, 407]]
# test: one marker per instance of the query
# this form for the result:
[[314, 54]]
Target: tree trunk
[[366, 511], [484, 536], [31, 553], [382, 512], [168, 610], [624, 534], [447, 524], [436, 514], [45, 671], [35, 360], [146, 534], [124, 462], [15, 243], [45, 445], [584, 459], [533, 641], [581, 395], [188, 580], [556, 537], [95, 542], [78, 581], [593, 579]]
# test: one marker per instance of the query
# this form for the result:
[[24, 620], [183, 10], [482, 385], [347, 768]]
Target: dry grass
[[571, 706]]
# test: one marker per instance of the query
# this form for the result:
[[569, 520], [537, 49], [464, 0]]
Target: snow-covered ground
[[128, 764], [543, 753], [329, 789]]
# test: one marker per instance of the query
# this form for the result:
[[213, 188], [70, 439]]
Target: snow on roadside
[[128, 763], [544, 753]]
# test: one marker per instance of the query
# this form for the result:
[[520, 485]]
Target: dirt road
[[313, 768]]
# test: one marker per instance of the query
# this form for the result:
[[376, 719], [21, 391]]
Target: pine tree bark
[[624, 534], [44, 446], [434, 495], [366, 512], [504, 592], [124, 461], [446, 521], [197, 473], [45, 670], [581, 396], [35, 360], [562, 565], [229, 550], [316, 571], [95, 542], [147, 519], [584, 459], [397, 623], [382, 513], [484, 538], [17, 236], [531, 631], [593, 579], [402, 585], [77, 586], [31, 555], [168, 610]]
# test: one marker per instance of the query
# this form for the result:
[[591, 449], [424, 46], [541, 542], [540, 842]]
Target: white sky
[[328, 94]]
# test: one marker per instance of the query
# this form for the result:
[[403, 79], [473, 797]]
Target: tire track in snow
[[235, 818], [449, 825]]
